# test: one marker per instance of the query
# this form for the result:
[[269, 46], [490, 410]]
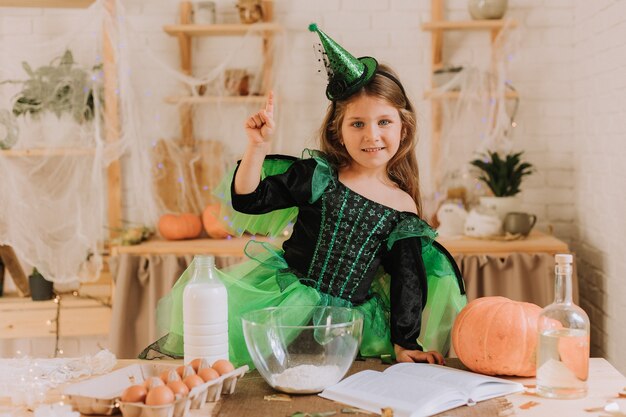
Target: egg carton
[[101, 395], [179, 408]]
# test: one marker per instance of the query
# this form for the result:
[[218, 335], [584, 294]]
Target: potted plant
[[503, 176], [62, 88], [40, 288]]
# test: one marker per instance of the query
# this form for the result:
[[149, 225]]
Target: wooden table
[[604, 384], [461, 245], [248, 400], [536, 242]]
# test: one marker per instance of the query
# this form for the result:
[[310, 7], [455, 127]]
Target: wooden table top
[[536, 242], [251, 391], [603, 385]]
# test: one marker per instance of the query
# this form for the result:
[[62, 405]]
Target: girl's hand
[[260, 126], [406, 355]]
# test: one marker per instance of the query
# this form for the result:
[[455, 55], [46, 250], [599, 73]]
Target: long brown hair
[[402, 168]]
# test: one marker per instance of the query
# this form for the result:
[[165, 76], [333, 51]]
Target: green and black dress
[[345, 250]]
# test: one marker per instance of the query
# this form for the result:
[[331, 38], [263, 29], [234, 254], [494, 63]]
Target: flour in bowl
[[306, 379]]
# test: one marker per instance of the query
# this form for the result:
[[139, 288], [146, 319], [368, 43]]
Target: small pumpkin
[[213, 226], [497, 336], [181, 226]]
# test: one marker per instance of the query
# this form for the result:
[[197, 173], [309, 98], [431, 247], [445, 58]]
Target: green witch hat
[[346, 74]]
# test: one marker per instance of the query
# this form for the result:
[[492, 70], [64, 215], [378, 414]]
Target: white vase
[[487, 9], [500, 206]]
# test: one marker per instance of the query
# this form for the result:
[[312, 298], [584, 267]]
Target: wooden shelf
[[454, 95], [70, 4], [469, 24], [221, 29], [214, 99], [48, 152], [536, 242]]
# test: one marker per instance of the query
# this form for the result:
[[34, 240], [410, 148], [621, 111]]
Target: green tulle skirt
[[264, 281]]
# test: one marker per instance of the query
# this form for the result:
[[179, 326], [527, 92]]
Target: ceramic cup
[[519, 223]]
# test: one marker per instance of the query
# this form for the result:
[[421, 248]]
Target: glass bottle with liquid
[[563, 346], [205, 313]]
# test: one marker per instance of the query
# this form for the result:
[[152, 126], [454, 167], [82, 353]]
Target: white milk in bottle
[[205, 313]]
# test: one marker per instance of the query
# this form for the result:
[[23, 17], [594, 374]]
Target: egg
[[178, 387], [195, 364], [180, 370], [222, 366], [170, 375], [188, 371], [207, 374], [204, 364], [160, 395], [134, 394], [192, 381], [152, 382]]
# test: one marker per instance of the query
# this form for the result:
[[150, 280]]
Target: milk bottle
[[205, 313]]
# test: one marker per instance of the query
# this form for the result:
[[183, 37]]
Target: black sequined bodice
[[342, 257]]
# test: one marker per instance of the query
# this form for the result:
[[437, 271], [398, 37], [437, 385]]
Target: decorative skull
[[250, 11]]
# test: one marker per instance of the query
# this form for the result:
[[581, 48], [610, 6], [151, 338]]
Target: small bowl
[[303, 349]]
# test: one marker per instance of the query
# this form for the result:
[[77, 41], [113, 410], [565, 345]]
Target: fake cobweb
[[56, 149], [480, 117]]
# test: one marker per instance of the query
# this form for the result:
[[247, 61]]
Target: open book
[[417, 389]]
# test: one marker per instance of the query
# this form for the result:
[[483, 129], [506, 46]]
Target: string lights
[[58, 351]]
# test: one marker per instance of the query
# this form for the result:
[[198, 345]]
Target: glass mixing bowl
[[303, 349]]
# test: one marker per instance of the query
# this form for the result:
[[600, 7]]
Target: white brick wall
[[599, 81], [569, 71]]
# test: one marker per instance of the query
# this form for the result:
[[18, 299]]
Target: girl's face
[[371, 131]]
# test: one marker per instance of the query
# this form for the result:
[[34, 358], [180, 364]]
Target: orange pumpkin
[[212, 224], [177, 227], [497, 336]]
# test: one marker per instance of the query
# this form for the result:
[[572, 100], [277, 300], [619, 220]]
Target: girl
[[358, 239]]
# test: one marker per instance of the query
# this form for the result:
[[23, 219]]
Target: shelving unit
[[187, 148], [438, 25], [111, 112], [186, 30], [89, 317]]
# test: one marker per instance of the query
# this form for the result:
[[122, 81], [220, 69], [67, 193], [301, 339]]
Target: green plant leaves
[[62, 87], [503, 176]]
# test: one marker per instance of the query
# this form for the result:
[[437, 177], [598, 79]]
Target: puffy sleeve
[[286, 183], [291, 188], [408, 285], [408, 291]]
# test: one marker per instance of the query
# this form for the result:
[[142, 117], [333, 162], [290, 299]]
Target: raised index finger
[[269, 104]]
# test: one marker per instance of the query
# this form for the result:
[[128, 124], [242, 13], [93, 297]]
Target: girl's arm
[[259, 128], [408, 288]]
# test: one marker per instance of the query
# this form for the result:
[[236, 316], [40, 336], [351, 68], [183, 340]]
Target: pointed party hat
[[346, 74]]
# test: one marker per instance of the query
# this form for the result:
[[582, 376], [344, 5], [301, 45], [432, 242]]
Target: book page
[[404, 393], [475, 387]]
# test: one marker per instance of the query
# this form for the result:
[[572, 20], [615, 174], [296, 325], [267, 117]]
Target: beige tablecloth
[[519, 276], [141, 280]]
